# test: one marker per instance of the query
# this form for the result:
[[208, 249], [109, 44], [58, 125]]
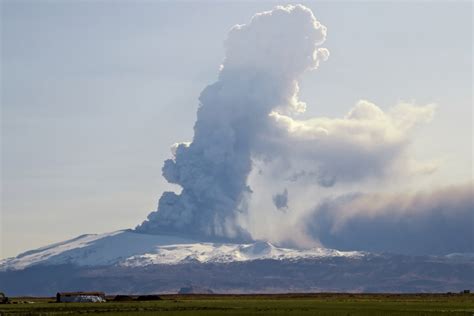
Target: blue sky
[[95, 93]]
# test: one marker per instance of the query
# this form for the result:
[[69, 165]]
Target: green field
[[309, 304]]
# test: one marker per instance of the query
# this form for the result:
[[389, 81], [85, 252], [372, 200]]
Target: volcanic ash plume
[[264, 59]]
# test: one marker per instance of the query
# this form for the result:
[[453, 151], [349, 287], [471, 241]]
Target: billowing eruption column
[[264, 58]]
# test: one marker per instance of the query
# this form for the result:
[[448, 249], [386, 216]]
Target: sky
[[93, 94]]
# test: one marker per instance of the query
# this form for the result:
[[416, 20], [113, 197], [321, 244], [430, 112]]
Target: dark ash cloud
[[437, 222], [280, 200], [263, 60]]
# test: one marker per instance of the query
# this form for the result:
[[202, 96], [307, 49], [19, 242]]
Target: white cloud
[[367, 142]]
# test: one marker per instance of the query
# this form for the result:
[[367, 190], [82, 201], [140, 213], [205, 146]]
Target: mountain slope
[[126, 262], [127, 248]]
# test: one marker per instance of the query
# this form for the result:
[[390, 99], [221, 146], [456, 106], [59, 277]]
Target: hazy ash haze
[[369, 170]]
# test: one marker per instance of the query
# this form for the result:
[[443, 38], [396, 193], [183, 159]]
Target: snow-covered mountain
[[124, 262], [130, 249]]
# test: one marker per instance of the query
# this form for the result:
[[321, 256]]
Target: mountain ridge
[[128, 248], [126, 262]]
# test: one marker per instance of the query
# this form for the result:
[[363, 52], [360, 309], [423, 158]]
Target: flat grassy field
[[301, 304]]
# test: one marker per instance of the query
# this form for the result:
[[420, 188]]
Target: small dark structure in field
[[148, 298], [3, 299], [194, 290], [77, 297], [466, 292], [123, 298]]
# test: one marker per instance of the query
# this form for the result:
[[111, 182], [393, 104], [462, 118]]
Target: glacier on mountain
[[130, 249]]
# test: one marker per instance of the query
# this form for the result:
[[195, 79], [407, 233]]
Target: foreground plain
[[290, 304]]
